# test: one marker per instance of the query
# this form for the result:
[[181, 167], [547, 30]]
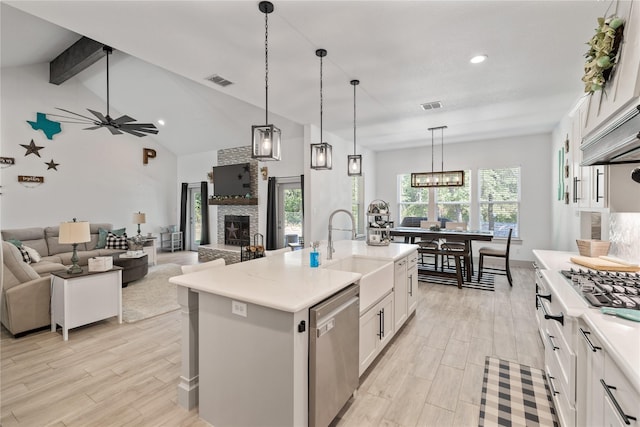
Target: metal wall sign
[[7, 161]]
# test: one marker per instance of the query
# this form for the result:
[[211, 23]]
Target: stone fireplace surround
[[231, 254]]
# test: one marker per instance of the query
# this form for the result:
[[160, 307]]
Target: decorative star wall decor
[[52, 165], [49, 127], [32, 148]]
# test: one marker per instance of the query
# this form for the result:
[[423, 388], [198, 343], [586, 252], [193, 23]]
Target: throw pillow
[[17, 243], [33, 254], [102, 236], [25, 255], [117, 242]]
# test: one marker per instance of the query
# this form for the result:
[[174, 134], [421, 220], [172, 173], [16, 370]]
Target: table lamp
[[74, 232], [139, 218]]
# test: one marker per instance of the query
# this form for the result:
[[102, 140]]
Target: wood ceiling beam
[[74, 59]]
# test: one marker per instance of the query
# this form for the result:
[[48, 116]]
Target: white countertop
[[286, 282], [620, 337]]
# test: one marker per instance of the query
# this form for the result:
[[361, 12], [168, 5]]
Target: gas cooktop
[[606, 289]]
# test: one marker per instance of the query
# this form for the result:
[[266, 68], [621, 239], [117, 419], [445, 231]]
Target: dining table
[[466, 236]]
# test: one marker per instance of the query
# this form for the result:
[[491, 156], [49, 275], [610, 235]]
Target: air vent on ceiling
[[431, 105], [220, 81]]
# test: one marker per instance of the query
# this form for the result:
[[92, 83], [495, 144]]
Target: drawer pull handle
[[557, 318], [553, 346], [624, 416], [553, 388], [593, 348]]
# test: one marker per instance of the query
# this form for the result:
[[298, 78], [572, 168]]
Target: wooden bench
[[458, 257]]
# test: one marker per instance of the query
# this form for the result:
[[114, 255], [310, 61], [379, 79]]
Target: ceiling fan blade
[[100, 117], [75, 114], [133, 132], [139, 127], [113, 130], [94, 127], [124, 119]]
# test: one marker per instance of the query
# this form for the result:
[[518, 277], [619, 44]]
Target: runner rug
[[515, 395]]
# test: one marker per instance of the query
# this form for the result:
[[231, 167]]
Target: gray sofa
[[25, 295]]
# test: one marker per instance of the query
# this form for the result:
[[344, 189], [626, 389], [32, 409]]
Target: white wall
[[100, 178], [531, 153], [328, 190]]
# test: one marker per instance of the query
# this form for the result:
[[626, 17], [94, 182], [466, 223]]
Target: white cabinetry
[[400, 291], [557, 331], [624, 85], [590, 369], [605, 396], [376, 329], [412, 282]]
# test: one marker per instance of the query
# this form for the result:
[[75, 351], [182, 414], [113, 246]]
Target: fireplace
[[236, 230]]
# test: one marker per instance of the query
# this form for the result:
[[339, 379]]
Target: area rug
[[486, 284], [515, 395], [152, 295]]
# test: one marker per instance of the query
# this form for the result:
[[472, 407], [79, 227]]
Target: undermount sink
[[376, 280]]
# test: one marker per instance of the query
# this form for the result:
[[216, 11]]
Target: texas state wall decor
[[48, 127]]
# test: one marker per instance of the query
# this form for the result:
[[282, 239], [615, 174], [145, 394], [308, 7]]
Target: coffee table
[[83, 298]]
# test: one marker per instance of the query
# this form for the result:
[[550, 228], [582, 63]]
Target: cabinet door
[[621, 399], [412, 283], [598, 186], [400, 292], [369, 327], [590, 369], [387, 322]]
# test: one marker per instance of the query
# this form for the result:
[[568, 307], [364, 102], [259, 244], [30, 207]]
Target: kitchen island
[[245, 327], [592, 360]]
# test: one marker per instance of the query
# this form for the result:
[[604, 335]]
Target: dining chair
[[454, 245], [497, 253], [429, 247]]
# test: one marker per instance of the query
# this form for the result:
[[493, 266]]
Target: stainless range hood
[[616, 142]]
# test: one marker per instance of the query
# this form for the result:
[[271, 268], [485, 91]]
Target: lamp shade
[[74, 232], [139, 218]]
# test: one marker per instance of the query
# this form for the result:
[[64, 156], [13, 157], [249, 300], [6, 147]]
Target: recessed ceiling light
[[161, 122], [478, 59]]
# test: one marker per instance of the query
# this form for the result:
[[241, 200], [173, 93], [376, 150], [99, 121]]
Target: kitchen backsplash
[[624, 234]]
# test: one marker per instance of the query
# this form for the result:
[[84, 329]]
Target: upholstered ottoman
[[134, 268]]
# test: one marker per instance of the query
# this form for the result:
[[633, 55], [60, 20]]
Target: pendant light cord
[[432, 151], [266, 68], [442, 149], [321, 141], [354, 119]]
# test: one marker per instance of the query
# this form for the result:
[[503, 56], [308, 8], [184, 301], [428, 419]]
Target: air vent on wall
[[431, 105], [220, 81]]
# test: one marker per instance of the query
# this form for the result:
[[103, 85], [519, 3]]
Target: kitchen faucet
[[330, 249]]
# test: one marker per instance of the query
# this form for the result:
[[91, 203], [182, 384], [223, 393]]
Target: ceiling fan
[[116, 126]]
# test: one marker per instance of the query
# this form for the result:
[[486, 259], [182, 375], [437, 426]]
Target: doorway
[[290, 218], [194, 230]]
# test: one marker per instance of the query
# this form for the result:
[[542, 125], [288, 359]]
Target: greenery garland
[[602, 54]]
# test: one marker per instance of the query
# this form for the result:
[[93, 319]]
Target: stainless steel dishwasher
[[333, 354]]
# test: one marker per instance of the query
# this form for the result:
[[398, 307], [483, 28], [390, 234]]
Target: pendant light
[[321, 152], [438, 179], [265, 139], [354, 162]]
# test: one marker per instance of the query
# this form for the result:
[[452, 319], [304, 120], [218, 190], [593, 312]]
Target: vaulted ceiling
[[405, 53]]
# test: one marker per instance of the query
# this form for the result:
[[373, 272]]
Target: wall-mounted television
[[232, 180]]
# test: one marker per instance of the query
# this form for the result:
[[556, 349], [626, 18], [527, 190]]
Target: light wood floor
[[111, 374]]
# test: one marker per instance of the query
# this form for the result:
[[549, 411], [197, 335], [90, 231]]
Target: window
[[453, 203], [411, 201], [500, 200], [357, 202]]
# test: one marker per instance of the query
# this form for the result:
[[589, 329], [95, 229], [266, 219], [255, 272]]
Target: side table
[[151, 249], [83, 298], [171, 241]]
